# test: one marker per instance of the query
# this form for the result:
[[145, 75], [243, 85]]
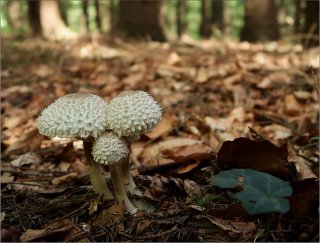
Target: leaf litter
[[226, 105]]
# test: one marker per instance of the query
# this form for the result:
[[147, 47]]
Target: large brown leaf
[[258, 155]]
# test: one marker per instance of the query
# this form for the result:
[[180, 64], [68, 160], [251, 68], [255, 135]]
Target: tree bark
[[14, 14], [112, 14], [98, 17], [85, 17], [297, 16], [52, 24], [312, 23], [140, 19], [63, 11], [34, 17], [205, 26], [261, 23], [217, 16], [181, 12]]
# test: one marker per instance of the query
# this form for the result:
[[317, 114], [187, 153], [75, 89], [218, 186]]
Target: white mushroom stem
[[119, 191], [123, 167], [96, 177]]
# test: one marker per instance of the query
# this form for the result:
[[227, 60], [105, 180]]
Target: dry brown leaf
[[173, 58], [6, 178], [305, 196], [2, 216], [43, 71], [233, 226], [258, 155], [64, 179], [56, 231], [165, 125], [110, 215], [292, 106], [133, 79], [202, 75], [193, 152], [152, 151], [30, 141], [26, 159], [187, 168]]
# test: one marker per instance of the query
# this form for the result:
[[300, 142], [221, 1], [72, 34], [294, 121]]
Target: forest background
[[237, 82]]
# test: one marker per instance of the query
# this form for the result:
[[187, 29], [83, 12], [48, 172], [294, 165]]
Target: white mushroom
[[130, 114], [78, 116], [109, 149]]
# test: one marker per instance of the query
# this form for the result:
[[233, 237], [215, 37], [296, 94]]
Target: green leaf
[[262, 193]]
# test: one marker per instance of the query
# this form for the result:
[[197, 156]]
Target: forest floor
[[210, 92]]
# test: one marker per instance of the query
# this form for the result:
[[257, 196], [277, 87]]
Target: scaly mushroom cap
[[74, 116], [132, 113], [109, 149]]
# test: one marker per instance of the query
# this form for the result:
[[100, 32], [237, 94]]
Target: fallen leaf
[[291, 105], [29, 141], [165, 125], [110, 215], [305, 195], [6, 178], [173, 58], [152, 151], [202, 75], [185, 153], [64, 179], [187, 168], [26, 159], [55, 231], [133, 79], [2, 216], [258, 155]]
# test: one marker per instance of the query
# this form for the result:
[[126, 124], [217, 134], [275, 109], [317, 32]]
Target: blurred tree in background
[[249, 20], [260, 22], [140, 19]]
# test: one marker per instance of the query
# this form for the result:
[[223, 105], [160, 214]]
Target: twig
[[152, 236]]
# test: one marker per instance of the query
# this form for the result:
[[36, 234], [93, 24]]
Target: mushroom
[[130, 114], [78, 116], [109, 149]]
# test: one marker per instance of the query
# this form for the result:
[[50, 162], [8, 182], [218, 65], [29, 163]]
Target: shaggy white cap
[[74, 116], [109, 149], [132, 113]]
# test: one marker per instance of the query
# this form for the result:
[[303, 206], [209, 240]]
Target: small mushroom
[[78, 116], [130, 114], [109, 149]]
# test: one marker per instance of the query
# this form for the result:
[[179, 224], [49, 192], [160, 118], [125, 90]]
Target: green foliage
[[262, 193], [203, 198]]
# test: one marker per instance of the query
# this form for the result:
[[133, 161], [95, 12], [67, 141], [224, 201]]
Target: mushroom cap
[[132, 113], [74, 116], [109, 149]]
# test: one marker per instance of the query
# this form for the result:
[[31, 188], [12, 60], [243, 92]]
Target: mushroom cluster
[[106, 131]]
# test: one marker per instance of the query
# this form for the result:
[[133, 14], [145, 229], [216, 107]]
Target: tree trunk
[[261, 23], [85, 17], [63, 10], [181, 12], [217, 16], [140, 19], [297, 16], [34, 17], [53, 26], [112, 14], [14, 14], [98, 17], [205, 26], [312, 23]]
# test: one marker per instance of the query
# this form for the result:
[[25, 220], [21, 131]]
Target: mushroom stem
[[119, 191], [97, 180], [128, 183]]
